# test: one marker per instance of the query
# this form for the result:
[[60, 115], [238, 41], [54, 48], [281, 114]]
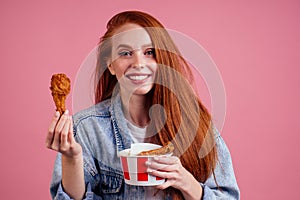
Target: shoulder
[[99, 110], [215, 131]]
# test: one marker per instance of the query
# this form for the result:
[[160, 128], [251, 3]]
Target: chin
[[141, 92]]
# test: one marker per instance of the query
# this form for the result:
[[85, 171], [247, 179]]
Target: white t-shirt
[[138, 134]]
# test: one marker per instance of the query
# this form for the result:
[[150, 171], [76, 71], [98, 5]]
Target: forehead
[[131, 35]]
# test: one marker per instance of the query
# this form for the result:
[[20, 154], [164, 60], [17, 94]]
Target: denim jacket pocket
[[106, 181], [111, 181]]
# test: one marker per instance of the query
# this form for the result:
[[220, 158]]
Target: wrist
[[74, 152], [72, 159], [192, 190]]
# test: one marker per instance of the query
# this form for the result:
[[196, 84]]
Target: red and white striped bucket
[[134, 167]]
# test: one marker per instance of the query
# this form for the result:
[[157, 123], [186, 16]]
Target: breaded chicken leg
[[60, 87]]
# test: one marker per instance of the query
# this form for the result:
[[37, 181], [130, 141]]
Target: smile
[[137, 77]]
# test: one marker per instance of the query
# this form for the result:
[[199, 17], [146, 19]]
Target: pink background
[[255, 45]]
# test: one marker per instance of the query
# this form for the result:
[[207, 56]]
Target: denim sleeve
[[56, 189], [227, 186], [90, 171]]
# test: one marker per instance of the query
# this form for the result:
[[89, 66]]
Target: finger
[[71, 133], [62, 121], [49, 138], [54, 121], [163, 167], [162, 174], [56, 141], [172, 164], [64, 135], [168, 160], [165, 185]]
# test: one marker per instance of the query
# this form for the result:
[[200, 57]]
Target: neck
[[136, 109]]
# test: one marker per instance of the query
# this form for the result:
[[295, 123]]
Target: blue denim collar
[[121, 131]]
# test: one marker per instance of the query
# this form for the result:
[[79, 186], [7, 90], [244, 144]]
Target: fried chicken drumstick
[[60, 87], [169, 148]]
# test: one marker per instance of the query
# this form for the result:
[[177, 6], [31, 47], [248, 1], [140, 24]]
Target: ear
[[111, 68]]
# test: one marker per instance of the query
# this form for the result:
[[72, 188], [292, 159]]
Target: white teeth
[[138, 78]]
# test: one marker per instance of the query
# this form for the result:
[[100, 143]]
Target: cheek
[[153, 67], [119, 76], [120, 68]]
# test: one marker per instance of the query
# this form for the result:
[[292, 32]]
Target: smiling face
[[133, 59]]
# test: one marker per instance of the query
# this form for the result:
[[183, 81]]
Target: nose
[[138, 59]]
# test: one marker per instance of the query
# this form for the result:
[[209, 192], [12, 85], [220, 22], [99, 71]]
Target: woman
[[143, 94]]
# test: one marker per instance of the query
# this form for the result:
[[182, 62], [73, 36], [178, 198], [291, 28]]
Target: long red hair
[[185, 121]]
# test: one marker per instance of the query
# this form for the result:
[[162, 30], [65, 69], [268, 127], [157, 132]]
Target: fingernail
[[148, 163], [156, 158], [57, 114], [66, 112], [149, 170]]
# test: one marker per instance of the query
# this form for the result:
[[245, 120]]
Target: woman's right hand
[[60, 136]]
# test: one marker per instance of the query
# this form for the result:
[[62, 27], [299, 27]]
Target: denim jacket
[[102, 131]]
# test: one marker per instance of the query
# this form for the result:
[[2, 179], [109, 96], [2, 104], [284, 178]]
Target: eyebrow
[[129, 47]]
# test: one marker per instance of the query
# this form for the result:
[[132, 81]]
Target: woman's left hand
[[176, 176]]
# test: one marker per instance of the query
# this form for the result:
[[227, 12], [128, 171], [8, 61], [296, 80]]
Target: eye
[[125, 53], [150, 52]]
